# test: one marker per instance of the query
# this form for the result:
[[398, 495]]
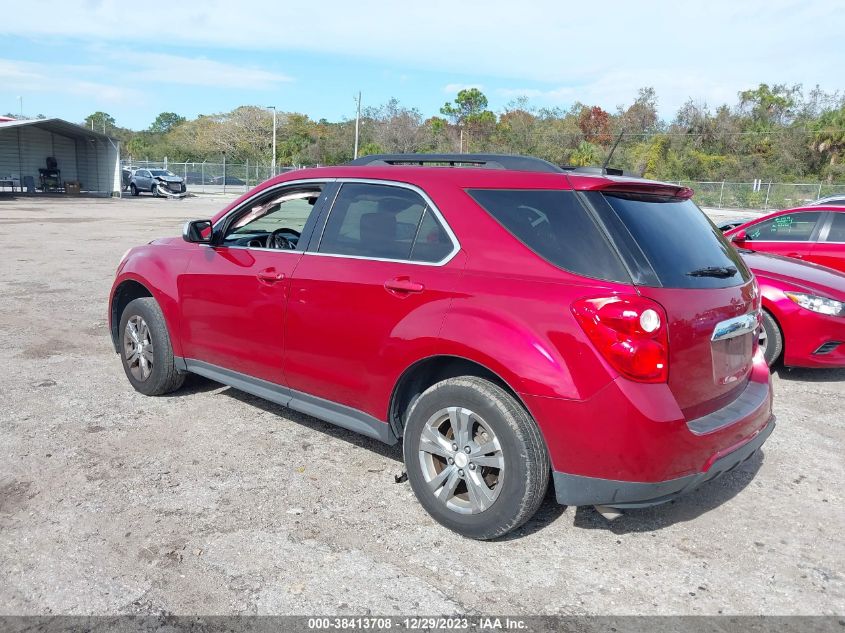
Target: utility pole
[[273, 162], [357, 124], [20, 99]]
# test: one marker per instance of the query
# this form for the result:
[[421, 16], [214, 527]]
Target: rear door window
[[384, 222], [673, 238], [789, 227], [556, 226]]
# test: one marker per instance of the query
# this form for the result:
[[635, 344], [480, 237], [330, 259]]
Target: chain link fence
[[760, 195], [214, 177], [241, 177]]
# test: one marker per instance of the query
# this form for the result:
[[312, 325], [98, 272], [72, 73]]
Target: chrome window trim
[[731, 328], [258, 194], [456, 245]]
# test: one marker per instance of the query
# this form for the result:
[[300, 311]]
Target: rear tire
[[496, 479], [133, 189], [771, 339], [145, 349]]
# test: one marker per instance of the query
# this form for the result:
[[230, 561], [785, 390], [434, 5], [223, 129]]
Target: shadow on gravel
[[810, 375], [549, 512], [392, 452], [193, 384], [687, 508]]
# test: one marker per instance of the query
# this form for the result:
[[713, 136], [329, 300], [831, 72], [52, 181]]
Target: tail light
[[630, 332]]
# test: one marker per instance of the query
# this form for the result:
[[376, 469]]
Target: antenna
[[612, 149]]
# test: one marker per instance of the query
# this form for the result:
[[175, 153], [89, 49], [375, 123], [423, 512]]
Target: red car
[[507, 321], [803, 311], [813, 234]]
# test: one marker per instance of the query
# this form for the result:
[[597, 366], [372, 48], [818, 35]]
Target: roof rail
[[484, 161]]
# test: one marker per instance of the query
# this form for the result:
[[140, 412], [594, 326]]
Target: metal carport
[[83, 155]]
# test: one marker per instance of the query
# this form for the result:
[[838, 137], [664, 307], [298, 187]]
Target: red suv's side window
[[383, 222]]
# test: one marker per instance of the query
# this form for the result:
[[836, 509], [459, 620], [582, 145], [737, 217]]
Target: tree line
[[779, 132]]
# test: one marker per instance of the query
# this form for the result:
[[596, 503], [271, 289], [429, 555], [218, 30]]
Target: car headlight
[[822, 305]]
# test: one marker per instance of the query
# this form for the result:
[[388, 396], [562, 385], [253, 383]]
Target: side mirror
[[197, 231], [739, 236]]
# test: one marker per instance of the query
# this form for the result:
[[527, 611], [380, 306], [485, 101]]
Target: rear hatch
[[678, 258]]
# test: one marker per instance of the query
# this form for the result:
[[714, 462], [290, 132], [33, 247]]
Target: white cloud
[[703, 50], [194, 71], [18, 76]]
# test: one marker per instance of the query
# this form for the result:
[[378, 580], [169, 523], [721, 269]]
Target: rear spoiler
[[662, 189]]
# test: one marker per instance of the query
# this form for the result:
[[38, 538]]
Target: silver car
[[837, 200], [156, 181]]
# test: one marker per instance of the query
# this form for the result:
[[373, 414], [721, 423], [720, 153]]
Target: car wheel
[[133, 189], [154, 190], [145, 349], [770, 339], [475, 458]]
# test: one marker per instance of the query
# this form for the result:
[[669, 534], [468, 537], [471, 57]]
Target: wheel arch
[[768, 307], [430, 370], [126, 291]]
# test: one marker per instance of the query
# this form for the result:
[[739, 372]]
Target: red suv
[[509, 321]]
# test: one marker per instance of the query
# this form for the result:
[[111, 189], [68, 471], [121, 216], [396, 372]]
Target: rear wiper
[[722, 272]]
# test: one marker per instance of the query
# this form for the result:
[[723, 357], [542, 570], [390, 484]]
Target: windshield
[[161, 172], [673, 238]]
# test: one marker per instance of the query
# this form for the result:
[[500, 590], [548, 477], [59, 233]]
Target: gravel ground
[[211, 501]]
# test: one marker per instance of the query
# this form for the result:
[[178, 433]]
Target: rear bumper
[[576, 490]]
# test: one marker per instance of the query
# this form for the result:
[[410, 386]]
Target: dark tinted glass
[[373, 221], [556, 226], [837, 229], [432, 244], [790, 227], [680, 244]]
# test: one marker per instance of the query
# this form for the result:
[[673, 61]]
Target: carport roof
[[58, 126]]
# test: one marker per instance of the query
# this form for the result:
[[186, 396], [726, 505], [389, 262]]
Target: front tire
[[133, 189], [771, 339], [475, 458], [145, 349], [154, 190]]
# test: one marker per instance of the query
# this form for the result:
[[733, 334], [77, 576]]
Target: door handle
[[270, 276], [403, 285]]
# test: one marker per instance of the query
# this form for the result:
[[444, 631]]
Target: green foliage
[[584, 155], [165, 122], [775, 133], [100, 122]]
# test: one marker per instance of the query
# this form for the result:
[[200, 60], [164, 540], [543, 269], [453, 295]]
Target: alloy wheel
[[462, 460], [138, 348]]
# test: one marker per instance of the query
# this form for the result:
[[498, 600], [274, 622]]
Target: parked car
[[837, 200], [228, 180], [727, 225], [125, 176], [507, 322], [803, 311], [813, 234], [153, 180], [198, 178]]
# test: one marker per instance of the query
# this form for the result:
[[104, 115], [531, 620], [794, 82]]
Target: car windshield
[[161, 172]]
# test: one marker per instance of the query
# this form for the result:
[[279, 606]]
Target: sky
[[71, 58]]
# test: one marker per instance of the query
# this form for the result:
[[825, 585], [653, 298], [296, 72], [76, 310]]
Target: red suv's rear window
[[556, 226]]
